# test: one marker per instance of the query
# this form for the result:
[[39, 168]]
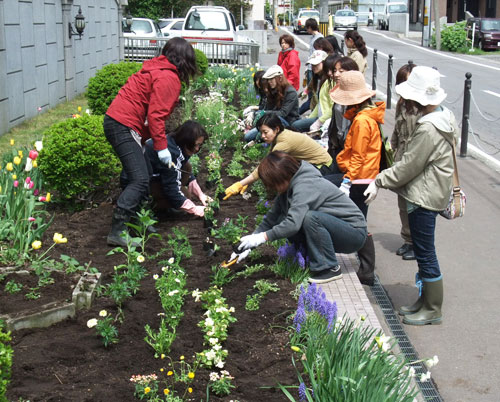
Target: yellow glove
[[236, 188]]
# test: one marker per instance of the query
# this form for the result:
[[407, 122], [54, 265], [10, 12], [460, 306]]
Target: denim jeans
[[133, 162], [303, 125], [422, 227], [305, 106], [356, 192], [324, 235]]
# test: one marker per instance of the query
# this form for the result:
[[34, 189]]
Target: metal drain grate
[[427, 388]]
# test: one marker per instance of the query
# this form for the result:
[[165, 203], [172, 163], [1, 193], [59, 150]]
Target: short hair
[[312, 23], [271, 120], [186, 134], [347, 64], [323, 44], [287, 39], [277, 170]]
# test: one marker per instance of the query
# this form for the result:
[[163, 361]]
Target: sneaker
[[409, 255], [326, 275], [404, 249]]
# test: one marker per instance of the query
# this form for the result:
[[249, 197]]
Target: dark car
[[486, 32]]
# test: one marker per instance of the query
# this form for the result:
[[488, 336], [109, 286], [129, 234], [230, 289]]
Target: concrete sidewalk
[[467, 343]]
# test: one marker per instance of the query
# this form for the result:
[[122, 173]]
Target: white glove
[[252, 241], [315, 126], [241, 256], [249, 119], [371, 192], [345, 187], [165, 157], [249, 109]]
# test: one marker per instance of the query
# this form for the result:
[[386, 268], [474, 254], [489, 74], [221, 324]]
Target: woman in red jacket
[[288, 60], [139, 112]]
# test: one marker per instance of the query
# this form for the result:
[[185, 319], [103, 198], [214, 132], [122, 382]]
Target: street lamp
[[128, 21], [79, 25]]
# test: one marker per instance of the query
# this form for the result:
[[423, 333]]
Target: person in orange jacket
[[289, 61], [359, 161]]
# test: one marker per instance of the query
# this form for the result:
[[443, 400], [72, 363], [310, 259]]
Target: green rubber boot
[[406, 310], [115, 238], [430, 312]]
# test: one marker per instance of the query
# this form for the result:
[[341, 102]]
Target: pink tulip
[[31, 185], [16, 183], [31, 219], [42, 199], [28, 180], [36, 192], [33, 154]]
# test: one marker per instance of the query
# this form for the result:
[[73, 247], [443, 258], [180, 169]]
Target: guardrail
[[217, 51]]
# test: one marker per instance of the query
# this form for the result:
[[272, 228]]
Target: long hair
[[358, 41], [276, 95], [323, 44], [335, 44], [259, 83], [402, 76], [181, 54], [329, 66], [277, 170], [186, 135]]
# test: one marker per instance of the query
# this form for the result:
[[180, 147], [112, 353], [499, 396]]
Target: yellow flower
[[147, 390], [0, 189], [9, 167], [79, 109], [59, 239], [166, 391], [35, 164], [190, 390], [20, 153], [162, 369], [191, 375], [12, 142], [47, 197], [181, 358], [295, 349], [36, 244], [140, 258], [14, 177], [251, 68], [253, 75], [17, 160], [162, 356], [170, 373]]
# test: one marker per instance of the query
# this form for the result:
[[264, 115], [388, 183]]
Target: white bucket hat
[[423, 86], [272, 72], [317, 57]]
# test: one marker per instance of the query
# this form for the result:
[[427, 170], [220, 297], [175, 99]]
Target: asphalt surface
[[467, 343]]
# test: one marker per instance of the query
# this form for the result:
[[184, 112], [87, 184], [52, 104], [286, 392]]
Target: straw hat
[[272, 72], [317, 57], [351, 89], [423, 86]]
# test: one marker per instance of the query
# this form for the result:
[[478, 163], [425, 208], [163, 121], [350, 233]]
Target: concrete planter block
[[85, 289], [50, 313]]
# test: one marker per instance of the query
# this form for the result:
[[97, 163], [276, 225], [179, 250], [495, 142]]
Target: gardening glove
[[236, 188], [345, 187], [191, 208], [315, 126], [240, 256], [371, 192], [165, 157], [249, 119], [249, 109], [252, 241], [194, 188]]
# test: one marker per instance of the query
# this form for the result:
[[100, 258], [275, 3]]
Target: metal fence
[[217, 51]]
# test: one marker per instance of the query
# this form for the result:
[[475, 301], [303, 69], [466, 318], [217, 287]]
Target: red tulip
[[33, 154]]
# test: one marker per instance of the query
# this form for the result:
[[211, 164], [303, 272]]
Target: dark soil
[[67, 361]]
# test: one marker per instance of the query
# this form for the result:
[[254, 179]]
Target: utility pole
[[437, 24], [323, 17]]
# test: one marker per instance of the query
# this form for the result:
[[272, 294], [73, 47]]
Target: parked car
[[217, 25], [486, 32], [148, 45], [345, 19], [171, 27], [391, 8], [299, 22]]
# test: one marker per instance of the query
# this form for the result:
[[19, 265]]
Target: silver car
[[142, 39], [345, 19]]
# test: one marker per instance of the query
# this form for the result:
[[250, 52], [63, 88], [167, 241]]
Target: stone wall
[[40, 66]]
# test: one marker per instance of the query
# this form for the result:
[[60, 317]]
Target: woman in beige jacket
[[356, 49]]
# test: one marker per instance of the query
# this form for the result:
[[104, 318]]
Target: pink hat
[[351, 89]]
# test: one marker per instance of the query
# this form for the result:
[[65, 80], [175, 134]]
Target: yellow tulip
[[170, 373], [147, 390], [12, 142], [0, 189], [35, 164], [14, 177], [59, 239], [295, 349], [9, 166], [36, 244], [190, 390], [17, 160], [79, 109], [47, 197], [20, 153]]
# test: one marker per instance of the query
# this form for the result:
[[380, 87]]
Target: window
[[177, 26], [141, 27], [207, 21], [345, 13], [490, 25], [397, 8], [309, 14], [163, 23]]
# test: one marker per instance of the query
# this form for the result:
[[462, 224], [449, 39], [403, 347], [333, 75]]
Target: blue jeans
[[305, 106], [422, 227], [324, 235], [133, 162], [303, 125]]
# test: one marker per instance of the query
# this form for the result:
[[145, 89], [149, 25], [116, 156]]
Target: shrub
[[201, 61], [453, 38], [5, 362], [76, 160], [104, 86]]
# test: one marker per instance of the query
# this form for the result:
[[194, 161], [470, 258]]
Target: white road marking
[[491, 93]]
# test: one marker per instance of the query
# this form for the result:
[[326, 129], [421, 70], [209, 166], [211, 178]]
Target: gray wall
[[40, 66]]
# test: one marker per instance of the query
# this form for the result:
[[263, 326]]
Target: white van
[[391, 8]]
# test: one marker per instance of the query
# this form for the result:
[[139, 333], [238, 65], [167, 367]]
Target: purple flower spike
[[302, 391]]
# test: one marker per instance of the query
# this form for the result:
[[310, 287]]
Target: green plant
[[33, 294], [105, 328], [6, 354], [221, 385], [235, 169], [257, 152], [231, 231], [143, 221], [104, 86], [13, 287], [201, 61], [453, 38], [221, 275], [76, 149], [179, 243], [263, 287], [195, 164]]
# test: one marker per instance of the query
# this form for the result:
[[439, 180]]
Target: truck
[[391, 8], [299, 22]]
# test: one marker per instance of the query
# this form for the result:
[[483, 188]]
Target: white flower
[[27, 168], [425, 376], [217, 347], [214, 376], [221, 310], [210, 355], [171, 260], [210, 333], [412, 371], [220, 364], [196, 294], [213, 341], [155, 277], [38, 145], [218, 301], [103, 313], [209, 322], [432, 362], [177, 280], [92, 322], [140, 258], [173, 292], [231, 309], [164, 269]]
